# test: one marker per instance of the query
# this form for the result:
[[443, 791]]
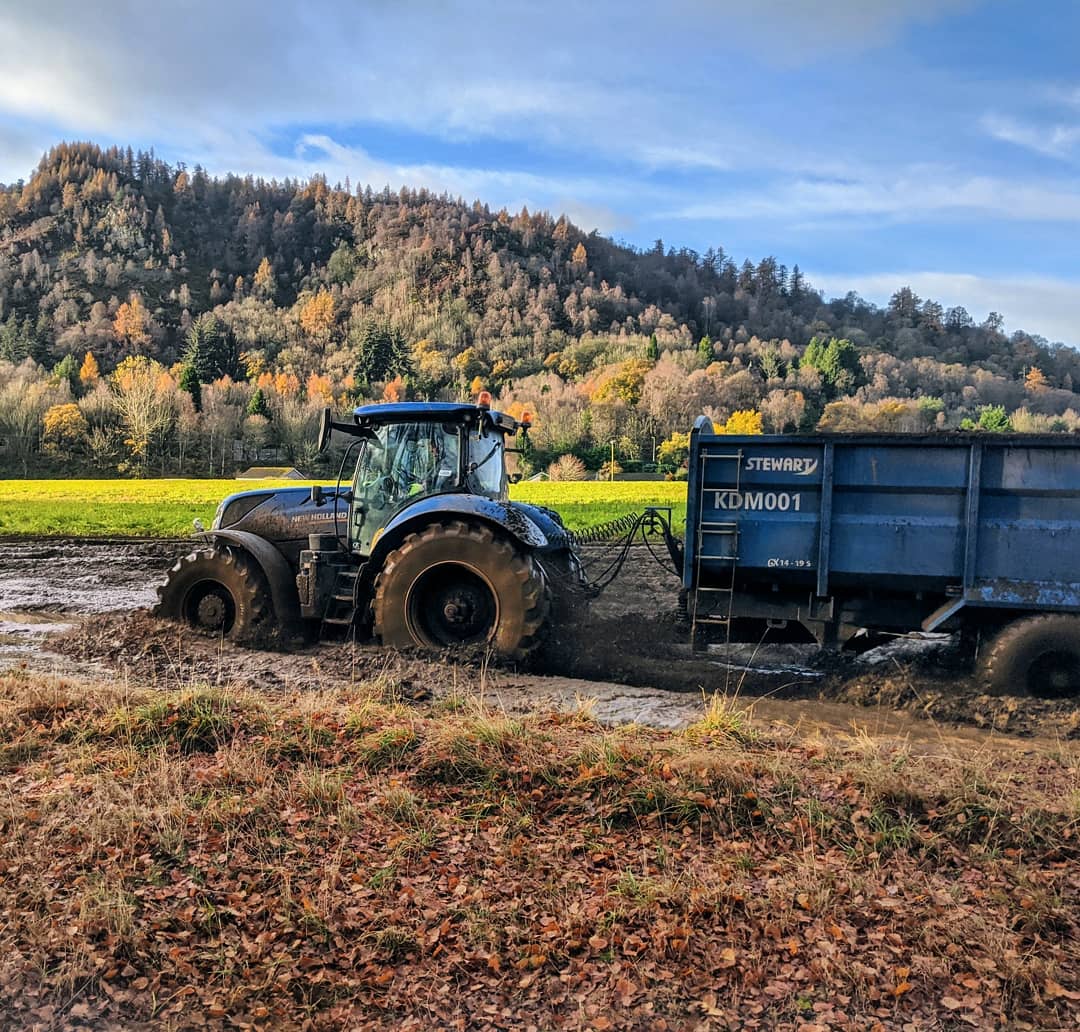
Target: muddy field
[[79, 607]]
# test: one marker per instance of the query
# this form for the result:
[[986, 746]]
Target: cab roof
[[422, 411], [404, 410]]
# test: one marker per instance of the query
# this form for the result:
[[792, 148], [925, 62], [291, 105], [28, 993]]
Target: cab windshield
[[403, 460]]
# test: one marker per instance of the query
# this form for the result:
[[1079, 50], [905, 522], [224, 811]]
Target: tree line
[[207, 293]]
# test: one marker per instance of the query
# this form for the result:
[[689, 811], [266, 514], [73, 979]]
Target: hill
[[119, 254]]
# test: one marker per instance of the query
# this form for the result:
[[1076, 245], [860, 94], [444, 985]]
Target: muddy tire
[[219, 592], [1037, 655], [459, 585]]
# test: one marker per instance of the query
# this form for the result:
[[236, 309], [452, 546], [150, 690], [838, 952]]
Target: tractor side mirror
[[316, 493], [324, 430], [514, 478]]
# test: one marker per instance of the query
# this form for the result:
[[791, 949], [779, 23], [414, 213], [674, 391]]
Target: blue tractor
[[423, 549]]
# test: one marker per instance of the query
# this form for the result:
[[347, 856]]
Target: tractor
[[423, 549]]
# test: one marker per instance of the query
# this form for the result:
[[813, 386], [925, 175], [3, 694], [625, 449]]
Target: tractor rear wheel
[[219, 592], [460, 585], [1036, 655]]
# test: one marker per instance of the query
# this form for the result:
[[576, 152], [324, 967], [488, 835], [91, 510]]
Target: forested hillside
[[154, 318]]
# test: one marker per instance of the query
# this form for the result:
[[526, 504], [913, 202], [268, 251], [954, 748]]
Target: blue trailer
[[829, 536]]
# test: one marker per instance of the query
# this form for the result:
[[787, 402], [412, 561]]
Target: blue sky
[[934, 143]]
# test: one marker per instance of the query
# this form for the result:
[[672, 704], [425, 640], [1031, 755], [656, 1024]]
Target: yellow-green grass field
[[166, 508]]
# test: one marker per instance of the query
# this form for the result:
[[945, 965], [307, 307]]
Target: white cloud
[[917, 193], [560, 73], [1050, 307], [1055, 141]]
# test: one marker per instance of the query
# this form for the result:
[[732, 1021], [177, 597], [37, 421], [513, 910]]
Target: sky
[[930, 143]]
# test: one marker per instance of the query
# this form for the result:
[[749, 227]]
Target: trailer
[[840, 538]]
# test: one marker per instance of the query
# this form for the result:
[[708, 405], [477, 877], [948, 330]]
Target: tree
[[257, 406], [1035, 380], [705, 348], [264, 280], [675, 450], [189, 381], [66, 371], [743, 421], [132, 323], [383, 353], [341, 268], [652, 349], [89, 373], [625, 383], [317, 316], [566, 467], [992, 418], [144, 407], [24, 399], [65, 429], [837, 361], [212, 350]]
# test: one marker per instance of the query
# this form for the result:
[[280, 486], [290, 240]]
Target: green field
[[166, 508]]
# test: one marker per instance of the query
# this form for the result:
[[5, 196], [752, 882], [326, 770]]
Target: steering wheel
[[378, 489]]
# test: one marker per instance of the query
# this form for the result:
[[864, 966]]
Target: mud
[[75, 607]]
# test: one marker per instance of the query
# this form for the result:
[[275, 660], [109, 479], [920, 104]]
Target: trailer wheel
[[1037, 655], [219, 592], [458, 585]]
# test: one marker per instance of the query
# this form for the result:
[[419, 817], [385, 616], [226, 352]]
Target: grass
[[115, 508], [168, 862], [166, 508], [588, 503]]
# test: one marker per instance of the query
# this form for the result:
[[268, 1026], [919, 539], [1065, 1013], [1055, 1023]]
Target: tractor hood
[[284, 516]]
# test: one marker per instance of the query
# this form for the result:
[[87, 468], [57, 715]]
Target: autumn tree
[[317, 316], [264, 285], [65, 429], [132, 323], [24, 400], [1035, 380], [143, 405], [675, 451], [89, 373], [742, 421]]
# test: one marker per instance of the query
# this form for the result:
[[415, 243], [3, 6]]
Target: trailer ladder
[[726, 533]]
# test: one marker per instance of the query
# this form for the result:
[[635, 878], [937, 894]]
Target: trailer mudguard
[[513, 519], [280, 576]]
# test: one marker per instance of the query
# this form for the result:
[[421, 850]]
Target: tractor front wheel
[[460, 585], [218, 592]]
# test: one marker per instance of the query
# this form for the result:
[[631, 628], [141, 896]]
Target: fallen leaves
[[309, 869]]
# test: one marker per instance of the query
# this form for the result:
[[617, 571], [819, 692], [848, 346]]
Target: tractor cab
[[408, 452]]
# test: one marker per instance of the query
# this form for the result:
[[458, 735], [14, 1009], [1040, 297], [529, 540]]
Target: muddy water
[[59, 606], [48, 587], [79, 577]]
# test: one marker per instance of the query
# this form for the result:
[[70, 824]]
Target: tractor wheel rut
[[80, 607]]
